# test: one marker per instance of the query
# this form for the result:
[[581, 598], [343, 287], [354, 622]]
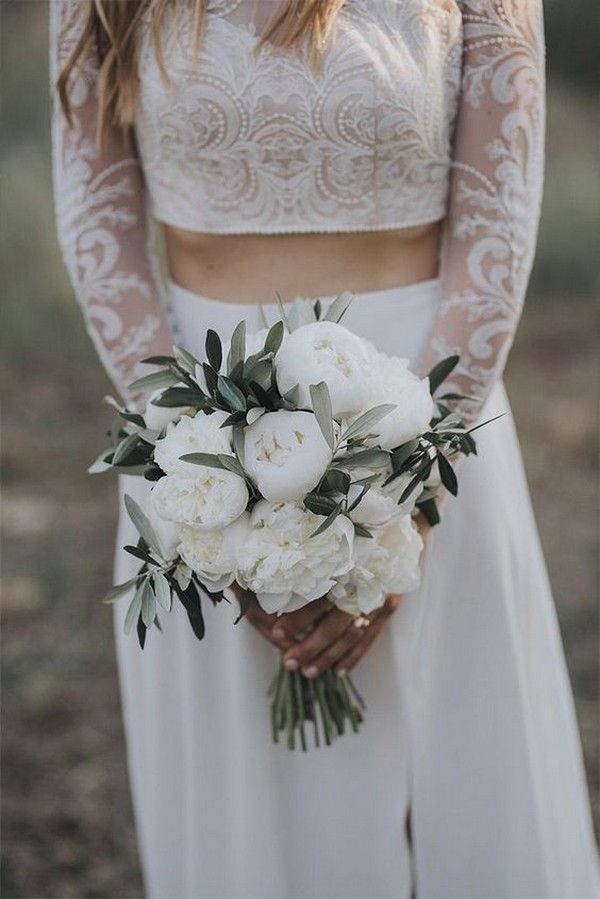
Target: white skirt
[[470, 724]]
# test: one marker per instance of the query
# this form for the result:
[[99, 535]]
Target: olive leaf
[[180, 396], [274, 338], [190, 599], [154, 381], [214, 350], [329, 520], [231, 393], [148, 605], [447, 475], [185, 360], [441, 371], [142, 524], [124, 449], [119, 589], [237, 438], [135, 607], [320, 505], [237, 350], [100, 465], [230, 463], [368, 458], [365, 422], [402, 453], [162, 590], [338, 308], [210, 460], [321, 403], [254, 414], [336, 481], [262, 316], [282, 311]]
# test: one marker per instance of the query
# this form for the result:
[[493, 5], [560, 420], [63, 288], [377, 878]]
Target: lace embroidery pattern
[[101, 223], [241, 142], [495, 196]]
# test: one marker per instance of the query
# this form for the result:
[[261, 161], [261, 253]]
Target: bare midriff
[[250, 268]]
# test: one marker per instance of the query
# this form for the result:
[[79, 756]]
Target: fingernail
[[341, 672], [291, 664], [300, 636], [279, 633], [311, 671]]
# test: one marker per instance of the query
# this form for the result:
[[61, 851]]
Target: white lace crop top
[[265, 143], [420, 111]]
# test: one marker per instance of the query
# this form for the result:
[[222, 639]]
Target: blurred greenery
[[67, 821]]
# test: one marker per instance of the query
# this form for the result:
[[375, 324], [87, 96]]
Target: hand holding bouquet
[[289, 462]]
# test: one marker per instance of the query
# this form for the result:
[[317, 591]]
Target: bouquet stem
[[326, 704]]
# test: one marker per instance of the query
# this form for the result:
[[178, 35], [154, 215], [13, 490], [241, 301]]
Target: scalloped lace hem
[[308, 228]]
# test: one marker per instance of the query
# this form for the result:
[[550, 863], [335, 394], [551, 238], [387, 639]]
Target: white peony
[[325, 351], [200, 434], [374, 509], [157, 418], [213, 554], [283, 564], [285, 454], [212, 499], [386, 563], [391, 381]]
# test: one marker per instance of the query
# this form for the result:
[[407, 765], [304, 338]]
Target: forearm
[[490, 232], [102, 220]]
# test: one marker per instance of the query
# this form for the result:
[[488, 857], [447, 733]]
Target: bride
[[393, 148]]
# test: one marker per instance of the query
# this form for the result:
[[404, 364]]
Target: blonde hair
[[110, 31]]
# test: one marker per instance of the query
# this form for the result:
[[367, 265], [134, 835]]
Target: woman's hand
[[339, 641], [336, 642]]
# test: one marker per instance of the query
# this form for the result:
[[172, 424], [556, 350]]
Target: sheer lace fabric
[[495, 193], [239, 141], [102, 221]]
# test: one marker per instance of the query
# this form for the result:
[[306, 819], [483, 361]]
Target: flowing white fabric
[[470, 721]]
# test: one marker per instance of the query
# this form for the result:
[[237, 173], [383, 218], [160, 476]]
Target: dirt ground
[[67, 816]]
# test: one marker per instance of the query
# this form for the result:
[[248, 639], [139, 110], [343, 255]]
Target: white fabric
[[470, 721], [238, 141]]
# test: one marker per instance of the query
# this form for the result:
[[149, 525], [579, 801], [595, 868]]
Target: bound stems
[[327, 702]]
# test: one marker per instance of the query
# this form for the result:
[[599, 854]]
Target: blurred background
[[67, 823]]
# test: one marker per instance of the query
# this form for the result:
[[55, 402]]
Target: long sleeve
[[102, 223], [490, 230]]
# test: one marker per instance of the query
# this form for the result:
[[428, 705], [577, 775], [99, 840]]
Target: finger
[[352, 658], [265, 631], [263, 623], [327, 631], [297, 625], [338, 649], [378, 620]]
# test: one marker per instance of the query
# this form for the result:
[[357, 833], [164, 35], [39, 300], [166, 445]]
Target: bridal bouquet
[[288, 464]]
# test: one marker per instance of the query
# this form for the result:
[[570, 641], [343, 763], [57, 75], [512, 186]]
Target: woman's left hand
[[337, 642]]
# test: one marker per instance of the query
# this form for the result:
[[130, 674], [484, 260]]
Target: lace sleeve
[[102, 224], [490, 231]]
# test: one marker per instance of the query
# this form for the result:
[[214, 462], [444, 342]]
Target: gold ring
[[361, 621]]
